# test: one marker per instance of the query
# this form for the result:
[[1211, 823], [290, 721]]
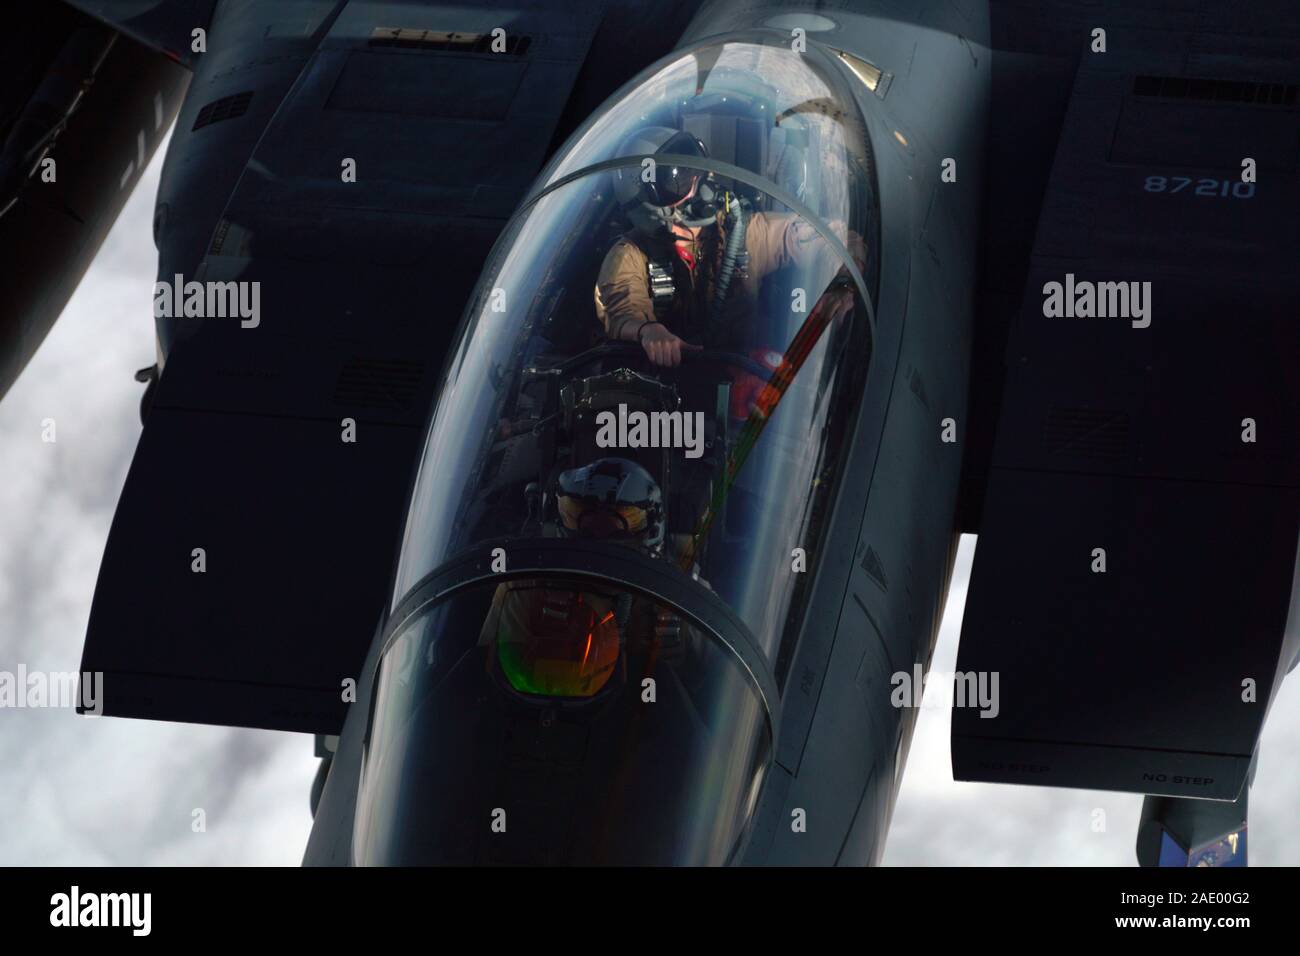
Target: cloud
[[79, 791]]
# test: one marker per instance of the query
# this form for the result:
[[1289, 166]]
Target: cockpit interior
[[753, 238]]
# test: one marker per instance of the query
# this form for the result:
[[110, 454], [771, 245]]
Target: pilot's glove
[[661, 346]]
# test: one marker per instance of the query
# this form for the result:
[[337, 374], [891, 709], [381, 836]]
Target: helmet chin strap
[[700, 210], [697, 223], [651, 220]]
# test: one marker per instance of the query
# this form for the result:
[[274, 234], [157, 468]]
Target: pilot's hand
[[661, 346]]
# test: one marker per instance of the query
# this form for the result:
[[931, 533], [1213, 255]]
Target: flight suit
[[772, 241]]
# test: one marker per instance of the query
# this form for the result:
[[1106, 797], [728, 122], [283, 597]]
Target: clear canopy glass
[[650, 400], [743, 439], [555, 405], [787, 117], [558, 721]]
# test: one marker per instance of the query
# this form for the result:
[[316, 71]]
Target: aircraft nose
[[658, 763]]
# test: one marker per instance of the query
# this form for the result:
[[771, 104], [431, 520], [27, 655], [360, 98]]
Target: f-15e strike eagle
[[442, 288]]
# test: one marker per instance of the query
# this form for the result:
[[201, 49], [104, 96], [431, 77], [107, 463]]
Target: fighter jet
[[567, 410]]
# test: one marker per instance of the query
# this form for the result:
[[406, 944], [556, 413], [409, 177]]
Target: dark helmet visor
[[672, 184]]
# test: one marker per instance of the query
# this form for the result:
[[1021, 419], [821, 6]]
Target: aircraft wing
[[362, 283], [164, 25], [82, 110], [1136, 563]]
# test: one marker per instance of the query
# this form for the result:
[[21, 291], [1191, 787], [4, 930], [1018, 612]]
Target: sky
[[90, 792]]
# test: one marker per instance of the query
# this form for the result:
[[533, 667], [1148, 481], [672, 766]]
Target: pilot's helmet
[[555, 640], [668, 195], [611, 499]]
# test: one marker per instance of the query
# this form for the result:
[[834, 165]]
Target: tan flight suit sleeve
[[772, 240], [765, 247], [623, 289], [779, 239], [775, 240]]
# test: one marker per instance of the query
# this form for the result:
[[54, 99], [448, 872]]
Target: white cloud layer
[[78, 791]]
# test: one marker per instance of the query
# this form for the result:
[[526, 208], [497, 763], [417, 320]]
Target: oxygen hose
[[730, 256]]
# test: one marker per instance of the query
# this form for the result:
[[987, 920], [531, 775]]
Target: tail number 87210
[[1214, 188]]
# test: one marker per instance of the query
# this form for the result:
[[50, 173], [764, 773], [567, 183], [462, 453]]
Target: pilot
[[658, 283], [611, 499], [557, 639]]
